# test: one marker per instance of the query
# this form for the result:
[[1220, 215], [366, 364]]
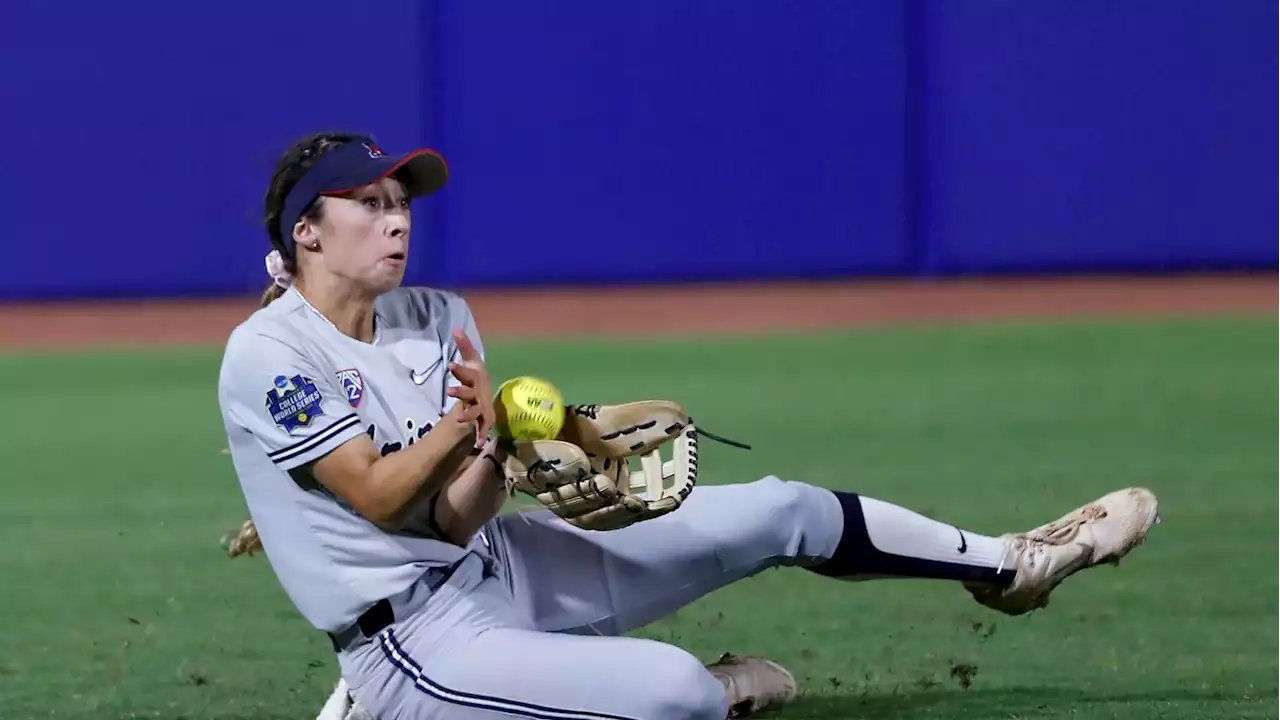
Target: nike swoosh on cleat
[[964, 544]]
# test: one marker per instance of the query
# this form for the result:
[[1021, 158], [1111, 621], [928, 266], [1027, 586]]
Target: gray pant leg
[[465, 656], [568, 580]]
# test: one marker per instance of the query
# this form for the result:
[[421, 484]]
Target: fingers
[[465, 348], [475, 388], [467, 373], [467, 413], [480, 415], [465, 393], [473, 404]]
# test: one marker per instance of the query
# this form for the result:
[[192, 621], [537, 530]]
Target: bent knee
[[682, 688], [788, 520], [783, 504], [783, 496]]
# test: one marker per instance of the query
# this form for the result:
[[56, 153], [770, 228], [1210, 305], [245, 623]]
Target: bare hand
[[475, 393]]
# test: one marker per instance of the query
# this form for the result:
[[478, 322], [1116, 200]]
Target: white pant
[[530, 625]]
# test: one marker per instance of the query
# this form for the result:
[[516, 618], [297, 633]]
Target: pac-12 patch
[[294, 402], [352, 385]]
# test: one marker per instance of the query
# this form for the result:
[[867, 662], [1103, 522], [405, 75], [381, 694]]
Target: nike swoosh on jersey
[[419, 378]]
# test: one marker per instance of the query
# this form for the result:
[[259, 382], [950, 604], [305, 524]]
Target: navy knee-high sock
[[881, 540]]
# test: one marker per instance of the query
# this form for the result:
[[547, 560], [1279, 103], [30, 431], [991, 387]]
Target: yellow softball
[[529, 408]]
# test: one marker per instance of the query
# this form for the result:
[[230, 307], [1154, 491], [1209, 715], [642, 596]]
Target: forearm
[[472, 498], [421, 470]]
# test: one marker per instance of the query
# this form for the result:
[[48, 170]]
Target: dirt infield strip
[[688, 310]]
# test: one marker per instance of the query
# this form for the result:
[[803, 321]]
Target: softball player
[[358, 415]]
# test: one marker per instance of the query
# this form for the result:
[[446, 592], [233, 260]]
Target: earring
[[315, 246]]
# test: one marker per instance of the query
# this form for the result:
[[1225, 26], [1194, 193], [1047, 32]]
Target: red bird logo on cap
[[374, 150]]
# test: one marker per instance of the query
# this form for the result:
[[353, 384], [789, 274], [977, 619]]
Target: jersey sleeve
[[280, 396]]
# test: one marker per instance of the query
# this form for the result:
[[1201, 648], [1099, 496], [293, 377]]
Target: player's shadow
[[1020, 702]]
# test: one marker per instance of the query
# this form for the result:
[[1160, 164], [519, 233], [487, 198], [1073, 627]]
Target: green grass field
[[116, 601]]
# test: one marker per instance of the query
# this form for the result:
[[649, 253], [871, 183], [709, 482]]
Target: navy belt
[[382, 615], [371, 622]]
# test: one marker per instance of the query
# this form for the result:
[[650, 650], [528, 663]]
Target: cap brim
[[422, 172]]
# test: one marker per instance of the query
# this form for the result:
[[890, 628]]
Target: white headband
[[277, 270]]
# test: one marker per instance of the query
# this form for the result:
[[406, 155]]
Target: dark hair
[[290, 168]]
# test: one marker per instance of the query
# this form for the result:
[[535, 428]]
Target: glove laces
[[593, 412]]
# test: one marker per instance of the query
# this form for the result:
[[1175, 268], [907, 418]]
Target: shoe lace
[[1031, 546], [1026, 550]]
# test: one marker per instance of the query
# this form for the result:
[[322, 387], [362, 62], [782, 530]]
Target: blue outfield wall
[[664, 141], [681, 140], [142, 134], [1097, 135]]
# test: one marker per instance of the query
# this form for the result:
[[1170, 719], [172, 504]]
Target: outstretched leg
[[1017, 571], [608, 583]]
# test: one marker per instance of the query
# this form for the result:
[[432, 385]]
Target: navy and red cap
[[351, 166]]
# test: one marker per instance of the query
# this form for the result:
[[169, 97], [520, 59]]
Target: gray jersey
[[293, 388]]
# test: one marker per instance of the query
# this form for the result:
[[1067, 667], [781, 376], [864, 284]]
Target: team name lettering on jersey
[[415, 431]]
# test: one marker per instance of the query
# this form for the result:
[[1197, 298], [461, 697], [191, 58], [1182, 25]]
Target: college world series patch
[[352, 385], [294, 402]]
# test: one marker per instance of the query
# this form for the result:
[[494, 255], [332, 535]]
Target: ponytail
[[272, 293]]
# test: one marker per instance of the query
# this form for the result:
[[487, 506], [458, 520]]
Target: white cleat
[[338, 704], [753, 683], [1104, 531], [341, 706]]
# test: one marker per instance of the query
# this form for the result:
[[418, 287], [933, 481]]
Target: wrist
[[495, 464], [494, 454], [456, 429]]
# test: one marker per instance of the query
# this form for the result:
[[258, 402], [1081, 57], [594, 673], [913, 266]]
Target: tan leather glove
[[585, 477]]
